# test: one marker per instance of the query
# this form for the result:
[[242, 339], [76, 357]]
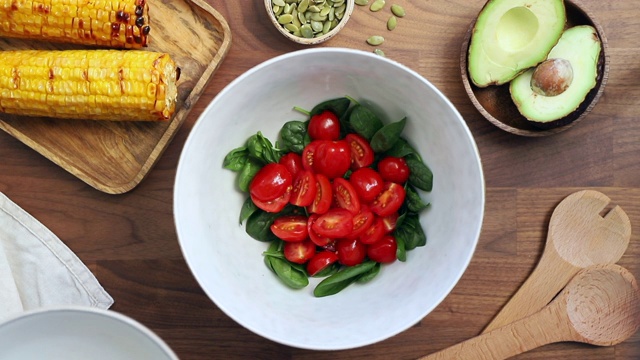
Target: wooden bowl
[[495, 104], [309, 41]]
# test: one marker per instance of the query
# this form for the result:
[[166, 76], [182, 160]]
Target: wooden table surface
[[129, 240]]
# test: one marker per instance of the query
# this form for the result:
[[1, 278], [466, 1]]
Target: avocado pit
[[552, 77]]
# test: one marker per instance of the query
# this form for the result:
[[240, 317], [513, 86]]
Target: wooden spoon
[[578, 237], [599, 306]]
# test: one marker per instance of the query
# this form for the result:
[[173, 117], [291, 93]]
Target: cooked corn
[[89, 84], [109, 23]]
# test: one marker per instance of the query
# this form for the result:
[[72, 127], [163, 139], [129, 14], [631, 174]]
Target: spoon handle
[[547, 326], [545, 282]]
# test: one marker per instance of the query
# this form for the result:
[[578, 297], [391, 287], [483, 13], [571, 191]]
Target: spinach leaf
[[259, 225], [401, 251], [413, 200], [294, 136], [261, 148], [236, 159], [387, 136], [292, 275], [328, 271], [247, 209], [343, 278], [410, 232], [338, 106], [364, 122], [401, 149], [369, 275], [249, 170], [420, 175]]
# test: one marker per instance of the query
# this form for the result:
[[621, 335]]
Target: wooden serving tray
[[113, 156]]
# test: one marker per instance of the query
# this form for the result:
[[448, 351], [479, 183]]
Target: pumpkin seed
[[379, 52], [278, 2], [285, 19], [314, 9], [375, 40], [303, 6], [361, 2], [291, 27], [326, 27], [338, 3], [392, 23], [316, 26], [319, 16], [301, 17], [377, 5], [306, 31], [398, 10]]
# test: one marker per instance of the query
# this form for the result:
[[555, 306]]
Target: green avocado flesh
[[580, 45], [512, 35]]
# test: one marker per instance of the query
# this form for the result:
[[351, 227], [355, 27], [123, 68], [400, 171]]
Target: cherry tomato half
[[308, 154], [275, 205], [324, 126], [345, 195], [324, 195], [293, 162], [270, 182], [299, 252], [304, 188], [367, 183], [334, 224], [320, 261], [373, 233], [389, 200], [350, 252], [394, 169], [361, 152], [383, 251], [290, 228], [315, 237], [332, 158], [361, 222]]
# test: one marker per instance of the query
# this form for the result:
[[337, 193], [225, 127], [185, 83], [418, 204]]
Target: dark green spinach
[[341, 279]]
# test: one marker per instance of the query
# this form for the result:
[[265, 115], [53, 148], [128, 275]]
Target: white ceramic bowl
[[79, 333], [228, 264]]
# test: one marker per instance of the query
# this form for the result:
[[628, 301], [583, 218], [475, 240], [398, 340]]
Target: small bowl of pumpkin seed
[[309, 22]]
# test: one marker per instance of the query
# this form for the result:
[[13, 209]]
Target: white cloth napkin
[[38, 270]]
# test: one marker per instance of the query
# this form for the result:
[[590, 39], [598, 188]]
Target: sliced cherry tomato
[[324, 195], [374, 233], [324, 126], [332, 158], [345, 195], [334, 224], [361, 222], [308, 154], [361, 152], [293, 162], [394, 169], [275, 205], [390, 222], [299, 252], [290, 228], [383, 251], [304, 188], [389, 200], [270, 182], [320, 261], [367, 183], [315, 238], [350, 252]]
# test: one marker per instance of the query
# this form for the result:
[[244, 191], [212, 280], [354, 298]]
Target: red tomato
[[275, 205], [361, 152], [320, 261], [324, 195], [335, 223], [308, 154], [299, 252], [315, 238], [290, 228], [332, 158], [389, 200], [324, 126], [345, 195], [304, 188], [383, 251], [374, 233], [270, 182], [293, 162], [361, 222], [390, 222], [350, 252], [394, 169], [367, 183]]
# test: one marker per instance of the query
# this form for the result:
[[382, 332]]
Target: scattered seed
[[397, 10], [377, 5], [379, 52], [361, 2], [392, 23], [375, 40]]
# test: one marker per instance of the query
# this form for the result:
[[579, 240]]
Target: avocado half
[[510, 36], [580, 46]]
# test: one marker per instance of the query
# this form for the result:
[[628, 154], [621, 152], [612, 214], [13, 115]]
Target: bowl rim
[[180, 177]]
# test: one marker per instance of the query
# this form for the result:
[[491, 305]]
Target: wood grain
[[129, 240]]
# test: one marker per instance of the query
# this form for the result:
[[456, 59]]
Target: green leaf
[[410, 232], [248, 208], [262, 149], [236, 159], [259, 225], [338, 106], [413, 200], [369, 275], [328, 271], [343, 278], [249, 170], [420, 175], [401, 251], [387, 136], [401, 148], [290, 275], [293, 135], [364, 121]]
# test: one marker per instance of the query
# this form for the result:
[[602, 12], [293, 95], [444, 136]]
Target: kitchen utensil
[[600, 306], [578, 237]]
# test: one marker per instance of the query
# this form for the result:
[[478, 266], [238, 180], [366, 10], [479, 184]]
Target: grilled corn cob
[[88, 84], [108, 23]]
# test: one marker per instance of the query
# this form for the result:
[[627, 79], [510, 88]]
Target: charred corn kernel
[[89, 84], [109, 23]]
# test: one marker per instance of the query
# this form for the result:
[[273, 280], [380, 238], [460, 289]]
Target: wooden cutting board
[[112, 156]]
